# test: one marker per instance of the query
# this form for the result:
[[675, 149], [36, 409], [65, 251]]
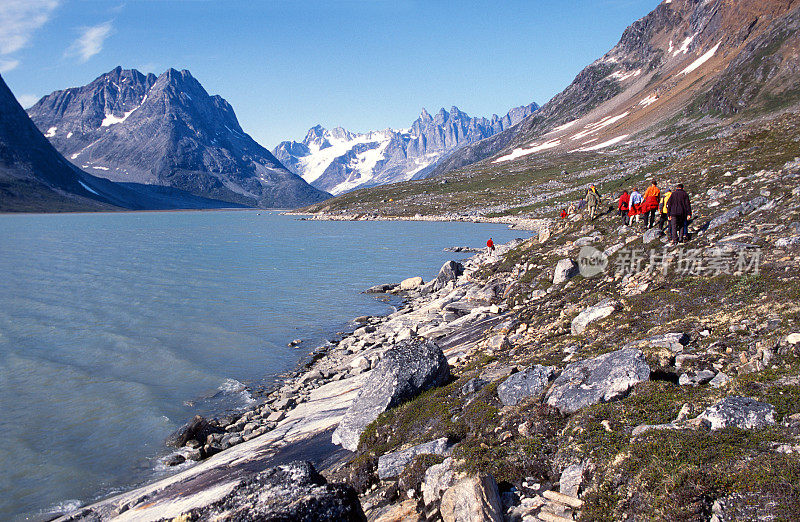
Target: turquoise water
[[115, 329]]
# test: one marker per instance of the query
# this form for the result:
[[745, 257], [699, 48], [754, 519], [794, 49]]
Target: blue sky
[[288, 65]]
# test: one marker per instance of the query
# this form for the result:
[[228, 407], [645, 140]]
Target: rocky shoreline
[[518, 386]]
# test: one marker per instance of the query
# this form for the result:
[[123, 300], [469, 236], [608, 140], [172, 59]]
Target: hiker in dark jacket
[[679, 209]]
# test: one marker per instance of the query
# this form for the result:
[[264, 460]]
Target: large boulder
[[407, 369], [473, 499], [527, 383], [565, 269], [744, 208], [438, 479], [412, 283], [740, 412], [392, 464], [294, 491], [596, 380], [601, 310], [450, 271]]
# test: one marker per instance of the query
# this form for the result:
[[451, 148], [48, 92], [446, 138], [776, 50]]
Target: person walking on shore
[[623, 206], [650, 205], [593, 202], [679, 209], [490, 247]]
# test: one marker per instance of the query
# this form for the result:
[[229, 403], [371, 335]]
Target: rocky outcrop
[[294, 491], [406, 369], [450, 271], [600, 379], [527, 383]]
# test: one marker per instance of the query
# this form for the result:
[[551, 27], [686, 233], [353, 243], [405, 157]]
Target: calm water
[[116, 328]]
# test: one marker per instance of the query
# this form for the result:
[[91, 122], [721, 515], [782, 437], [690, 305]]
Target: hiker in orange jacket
[[650, 205]]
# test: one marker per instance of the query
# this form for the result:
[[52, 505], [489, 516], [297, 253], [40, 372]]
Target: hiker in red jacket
[[623, 206], [564, 214], [490, 247]]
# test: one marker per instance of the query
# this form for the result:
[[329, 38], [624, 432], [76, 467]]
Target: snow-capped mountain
[[338, 160], [166, 130]]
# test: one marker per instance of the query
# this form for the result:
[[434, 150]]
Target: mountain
[[338, 160], [168, 131], [35, 177], [686, 59]]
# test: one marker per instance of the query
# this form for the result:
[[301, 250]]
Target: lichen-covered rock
[[473, 499], [527, 383], [651, 235], [596, 380], [565, 269], [696, 378], [294, 491], [407, 369], [601, 310], [392, 464], [740, 412]]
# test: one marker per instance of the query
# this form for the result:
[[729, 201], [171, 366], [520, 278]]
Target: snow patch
[[517, 153], [684, 48], [69, 134], [605, 144], [50, 132], [594, 127], [565, 126], [622, 76], [110, 119], [99, 168], [75, 155], [700, 61], [84, 185], [647, 101]]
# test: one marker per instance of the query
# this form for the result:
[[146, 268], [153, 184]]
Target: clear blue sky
[[288, 65]]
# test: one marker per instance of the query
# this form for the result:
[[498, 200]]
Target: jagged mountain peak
[[166, 130]]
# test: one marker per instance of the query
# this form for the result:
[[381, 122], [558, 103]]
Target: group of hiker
[[673, 208]]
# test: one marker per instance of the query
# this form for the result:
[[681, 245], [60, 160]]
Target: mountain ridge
[[339, 160]]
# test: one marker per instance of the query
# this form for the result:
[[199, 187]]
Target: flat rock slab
[[673, 342], [392, 464], [406, 369], [596, 380], [527, 383], [740, 412], [601, 310]]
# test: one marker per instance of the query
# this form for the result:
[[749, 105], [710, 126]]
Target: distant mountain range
[[338, 160], [686, 60], [167, 130]]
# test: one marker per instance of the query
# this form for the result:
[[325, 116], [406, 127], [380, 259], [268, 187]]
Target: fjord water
[[116, 328]]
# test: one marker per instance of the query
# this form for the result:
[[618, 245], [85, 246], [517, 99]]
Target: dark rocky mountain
[[166, 130], [35, 177], [686, 58], [338, 160]]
